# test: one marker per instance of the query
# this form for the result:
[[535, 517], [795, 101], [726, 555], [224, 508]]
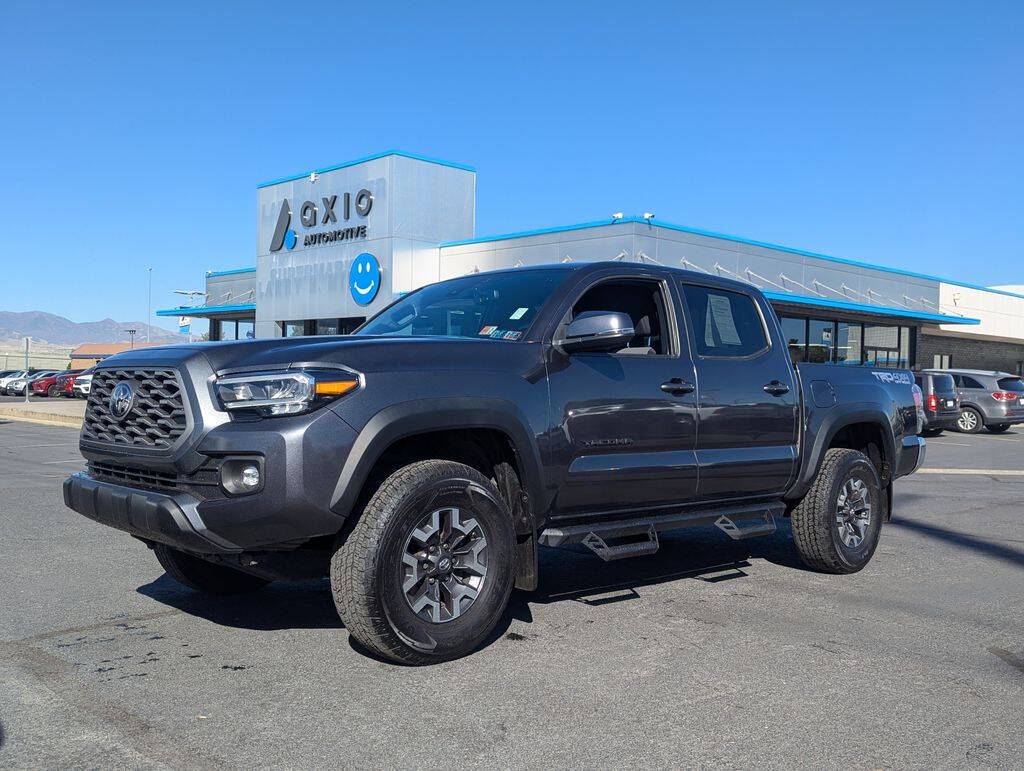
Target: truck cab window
[[642, 301], [724, 323]]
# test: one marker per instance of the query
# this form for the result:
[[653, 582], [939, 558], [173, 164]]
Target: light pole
[[131, 334], [148, 306]]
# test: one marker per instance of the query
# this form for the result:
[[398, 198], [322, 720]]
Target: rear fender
[[825, 425]]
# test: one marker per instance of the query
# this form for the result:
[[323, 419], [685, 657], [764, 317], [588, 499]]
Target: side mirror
[[597, 331]]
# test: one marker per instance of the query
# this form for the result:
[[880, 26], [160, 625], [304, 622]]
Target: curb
[[45, 418]]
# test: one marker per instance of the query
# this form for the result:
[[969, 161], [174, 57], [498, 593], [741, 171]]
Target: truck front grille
[[157, 416]]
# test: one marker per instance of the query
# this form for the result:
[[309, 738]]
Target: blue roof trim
[[883, 310], [205, 310], [212, 273], [373, 157], [726, 237]]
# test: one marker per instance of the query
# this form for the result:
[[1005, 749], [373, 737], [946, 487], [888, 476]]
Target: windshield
[[498, 305], [1011, 384]]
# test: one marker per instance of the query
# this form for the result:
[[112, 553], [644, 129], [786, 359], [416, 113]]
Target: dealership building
[[337, 244]]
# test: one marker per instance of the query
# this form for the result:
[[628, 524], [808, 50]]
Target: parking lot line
[[958, 444], [1000, 439], [52, 462], [981, 471], [34, 446]]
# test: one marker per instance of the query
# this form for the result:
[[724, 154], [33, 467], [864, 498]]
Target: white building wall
[[1001, 315]]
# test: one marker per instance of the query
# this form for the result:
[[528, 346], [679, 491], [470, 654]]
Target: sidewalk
[[54, 412]]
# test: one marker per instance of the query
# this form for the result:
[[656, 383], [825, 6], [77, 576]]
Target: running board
[[762, 524], [738, 522], [621, 551]]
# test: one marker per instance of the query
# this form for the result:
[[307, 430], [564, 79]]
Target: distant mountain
[[58, 330]]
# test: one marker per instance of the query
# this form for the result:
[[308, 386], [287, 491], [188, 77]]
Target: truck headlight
[[283, 393]]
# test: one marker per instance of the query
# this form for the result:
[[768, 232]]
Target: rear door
[[748, 402]]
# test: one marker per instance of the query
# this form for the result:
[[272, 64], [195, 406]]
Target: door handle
[[776, 388], [677, 386]]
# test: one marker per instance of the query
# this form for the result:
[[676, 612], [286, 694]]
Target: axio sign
[[313, 216]]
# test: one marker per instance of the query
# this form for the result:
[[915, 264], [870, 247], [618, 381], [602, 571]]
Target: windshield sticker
[[720, 310], [487, 330], [497, 333], [518, 314], [513, 335]]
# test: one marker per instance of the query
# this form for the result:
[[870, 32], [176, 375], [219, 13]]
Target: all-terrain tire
[[814, 520], [367, 571], [203, 576]]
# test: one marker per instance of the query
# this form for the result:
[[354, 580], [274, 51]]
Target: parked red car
[[66, 382], [47, 386]]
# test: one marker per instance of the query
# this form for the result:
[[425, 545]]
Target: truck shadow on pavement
[[567, 574]]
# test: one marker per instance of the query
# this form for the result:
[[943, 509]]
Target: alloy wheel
[[444, 565], [967, 421], [853, 513]]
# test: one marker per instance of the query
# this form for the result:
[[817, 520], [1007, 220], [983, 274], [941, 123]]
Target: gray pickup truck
[[421, 461]]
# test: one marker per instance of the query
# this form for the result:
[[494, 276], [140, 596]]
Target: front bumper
[[912, 455], [301, 457], [152, 516]]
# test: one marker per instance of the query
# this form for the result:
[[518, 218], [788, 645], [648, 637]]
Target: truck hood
[[364, 353]]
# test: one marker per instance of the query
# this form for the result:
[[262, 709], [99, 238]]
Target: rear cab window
[[725, 323]]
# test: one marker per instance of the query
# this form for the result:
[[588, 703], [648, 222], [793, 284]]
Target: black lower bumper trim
[[167, 519]]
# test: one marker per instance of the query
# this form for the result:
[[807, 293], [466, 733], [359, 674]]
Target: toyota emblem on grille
[[121, 400]]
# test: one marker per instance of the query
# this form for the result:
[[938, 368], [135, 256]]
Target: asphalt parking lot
[[710, 653]]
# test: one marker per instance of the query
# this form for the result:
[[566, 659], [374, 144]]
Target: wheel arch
[[858, 430], [415, 423]]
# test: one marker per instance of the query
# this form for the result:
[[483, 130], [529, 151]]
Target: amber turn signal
[[335, 387]]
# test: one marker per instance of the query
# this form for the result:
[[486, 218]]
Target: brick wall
[[969, 354]]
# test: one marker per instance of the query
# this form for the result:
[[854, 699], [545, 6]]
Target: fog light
[[241, 476], [251, 477]]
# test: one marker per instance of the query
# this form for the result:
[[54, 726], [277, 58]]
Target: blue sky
[[136, 134]]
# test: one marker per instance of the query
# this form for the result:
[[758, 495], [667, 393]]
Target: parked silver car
[[988, 399]]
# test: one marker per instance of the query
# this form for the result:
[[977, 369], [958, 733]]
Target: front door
[[749, 405], [624, 423]]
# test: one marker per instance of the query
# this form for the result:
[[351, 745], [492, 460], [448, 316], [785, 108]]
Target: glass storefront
[[232, 329], [826, 341]]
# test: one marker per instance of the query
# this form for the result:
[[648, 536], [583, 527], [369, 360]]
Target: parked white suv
[[82, 386]]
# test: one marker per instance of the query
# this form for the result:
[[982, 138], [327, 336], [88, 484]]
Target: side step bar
[[738, 522]]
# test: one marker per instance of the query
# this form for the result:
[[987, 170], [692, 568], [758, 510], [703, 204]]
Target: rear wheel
[[427, 569], [203, 576], [837, 524], [52, 391], [998, 428], [970, 421]]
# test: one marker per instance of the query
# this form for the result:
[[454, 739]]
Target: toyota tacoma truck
[[421, 461]]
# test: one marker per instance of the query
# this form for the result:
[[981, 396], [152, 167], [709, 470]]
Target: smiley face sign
[[364, 278]]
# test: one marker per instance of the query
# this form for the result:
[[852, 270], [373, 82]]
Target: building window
[[881, 346], [848, 343], [794, 330], [821, 341], [293, 328], [327, 326], [942, 361], [246, 330]]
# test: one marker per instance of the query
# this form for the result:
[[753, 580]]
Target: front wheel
[[426, 572], [53, 392], [999, 428], [837, 524], [970, 421]]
